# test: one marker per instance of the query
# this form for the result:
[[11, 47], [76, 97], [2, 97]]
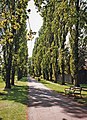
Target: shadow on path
[[40, 96]]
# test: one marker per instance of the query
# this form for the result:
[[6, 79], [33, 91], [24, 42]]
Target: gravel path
[[45, 104]]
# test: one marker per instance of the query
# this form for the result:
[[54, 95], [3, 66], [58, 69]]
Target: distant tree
[[62, 19]]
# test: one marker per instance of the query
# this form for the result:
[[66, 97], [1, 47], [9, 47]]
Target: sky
[[35, 24]]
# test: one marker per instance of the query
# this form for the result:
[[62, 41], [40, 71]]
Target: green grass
[[13, 103], [54, 86], [60, 89]]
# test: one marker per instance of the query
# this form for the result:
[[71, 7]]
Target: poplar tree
[[62, 19], [13, 18]]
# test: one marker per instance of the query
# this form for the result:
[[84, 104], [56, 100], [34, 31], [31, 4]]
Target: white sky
[[35, 24]]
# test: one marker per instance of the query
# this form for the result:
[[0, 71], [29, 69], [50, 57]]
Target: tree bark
[[19, 74], [63, 77], [76, 44], [50, 73], [13, 75], [8, 66], [14, 42]]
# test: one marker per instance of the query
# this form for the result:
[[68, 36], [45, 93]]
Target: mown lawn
[[60, 89], [13, 103]]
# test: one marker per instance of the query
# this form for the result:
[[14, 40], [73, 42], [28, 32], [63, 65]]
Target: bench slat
[[73, 90]]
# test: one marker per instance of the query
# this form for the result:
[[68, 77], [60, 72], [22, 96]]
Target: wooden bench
[[73, 91]]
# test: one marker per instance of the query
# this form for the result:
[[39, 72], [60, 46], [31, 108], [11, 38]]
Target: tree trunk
[[19, 74], [46, 74], [39, 71], [50, 74], [8, 66], [14, 42], [72, 79], [63, 77], [76, 45], [56, 68], [62, 65], [13, 75], [8, 85]]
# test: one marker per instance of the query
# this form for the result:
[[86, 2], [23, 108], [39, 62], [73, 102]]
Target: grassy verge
[[60, 89], [13, 103], [54, 86]]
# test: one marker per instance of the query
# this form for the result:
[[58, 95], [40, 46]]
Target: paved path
[[44, 104]]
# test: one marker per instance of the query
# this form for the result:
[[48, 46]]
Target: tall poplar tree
[[13, 17], [62, 19]]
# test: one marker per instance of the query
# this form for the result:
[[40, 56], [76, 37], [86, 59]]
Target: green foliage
[[61, 20], [13, 39]]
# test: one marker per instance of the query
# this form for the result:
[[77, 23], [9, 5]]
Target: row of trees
[[13, 41], [61, 45]]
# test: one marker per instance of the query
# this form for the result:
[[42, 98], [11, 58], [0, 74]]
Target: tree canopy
[[13, 40], [61, 45]]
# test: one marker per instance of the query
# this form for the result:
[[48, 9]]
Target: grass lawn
[[13, 103], [60, 89]]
